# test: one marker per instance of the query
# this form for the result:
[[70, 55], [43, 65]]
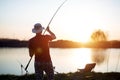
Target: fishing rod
[[28, 63], [54, 16], [46, 28]]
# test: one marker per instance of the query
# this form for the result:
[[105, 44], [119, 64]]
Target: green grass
[[68, 76]]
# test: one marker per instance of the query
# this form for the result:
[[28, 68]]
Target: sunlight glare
[[78, 26], [79, 58]]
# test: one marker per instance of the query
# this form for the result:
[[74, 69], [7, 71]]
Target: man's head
[[37, 28]]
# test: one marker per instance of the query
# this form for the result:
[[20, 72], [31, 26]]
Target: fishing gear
[[55, 71], [54, 16], [46, 28], [28, 63], [22, 67]]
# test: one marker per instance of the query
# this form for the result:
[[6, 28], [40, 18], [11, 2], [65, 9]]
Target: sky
[[76, 19]]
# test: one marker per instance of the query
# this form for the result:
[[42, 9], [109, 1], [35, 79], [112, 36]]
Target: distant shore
[[68, 76], [62, 44]]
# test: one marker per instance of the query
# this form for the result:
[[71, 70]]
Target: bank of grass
[[68, 76]]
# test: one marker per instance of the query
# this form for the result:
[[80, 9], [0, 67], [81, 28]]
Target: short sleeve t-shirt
[[40, 46]]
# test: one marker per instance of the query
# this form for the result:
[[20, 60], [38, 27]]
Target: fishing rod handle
[[28, 63]]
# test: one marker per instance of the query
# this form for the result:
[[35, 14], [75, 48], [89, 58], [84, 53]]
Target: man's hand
[[51, 33], [31, 55], [31, 52], [48, 29]]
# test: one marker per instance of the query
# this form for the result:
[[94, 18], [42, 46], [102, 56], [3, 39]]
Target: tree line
[[98, 39], [62, 44]]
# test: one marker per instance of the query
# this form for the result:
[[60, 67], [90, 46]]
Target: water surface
[[65, 60]]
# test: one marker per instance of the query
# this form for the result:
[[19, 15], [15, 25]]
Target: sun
[[84, 39], [81, 36], [74, 31]]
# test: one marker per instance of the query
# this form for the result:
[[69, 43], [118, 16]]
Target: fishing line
[[109, 57], [117, 63], [108, 61]]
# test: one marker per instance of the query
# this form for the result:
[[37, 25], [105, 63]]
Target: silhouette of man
[[39, 46]]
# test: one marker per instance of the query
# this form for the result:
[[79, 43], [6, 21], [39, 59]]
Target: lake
[[64, 59]]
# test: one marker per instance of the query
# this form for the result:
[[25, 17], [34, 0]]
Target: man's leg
[[38, 71], [49, 71]]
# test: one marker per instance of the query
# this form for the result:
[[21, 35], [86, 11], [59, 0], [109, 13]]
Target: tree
[[99, 35], [98, 55]]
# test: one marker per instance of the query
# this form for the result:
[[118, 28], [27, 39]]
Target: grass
[[68, 76]]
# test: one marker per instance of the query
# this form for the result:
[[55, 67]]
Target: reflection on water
[[98, 55], [65, 60], [80, 57]]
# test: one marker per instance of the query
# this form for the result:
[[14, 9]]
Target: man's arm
[[51, 33], [31, 52]]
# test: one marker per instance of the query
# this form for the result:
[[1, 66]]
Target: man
[[39, 46]]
